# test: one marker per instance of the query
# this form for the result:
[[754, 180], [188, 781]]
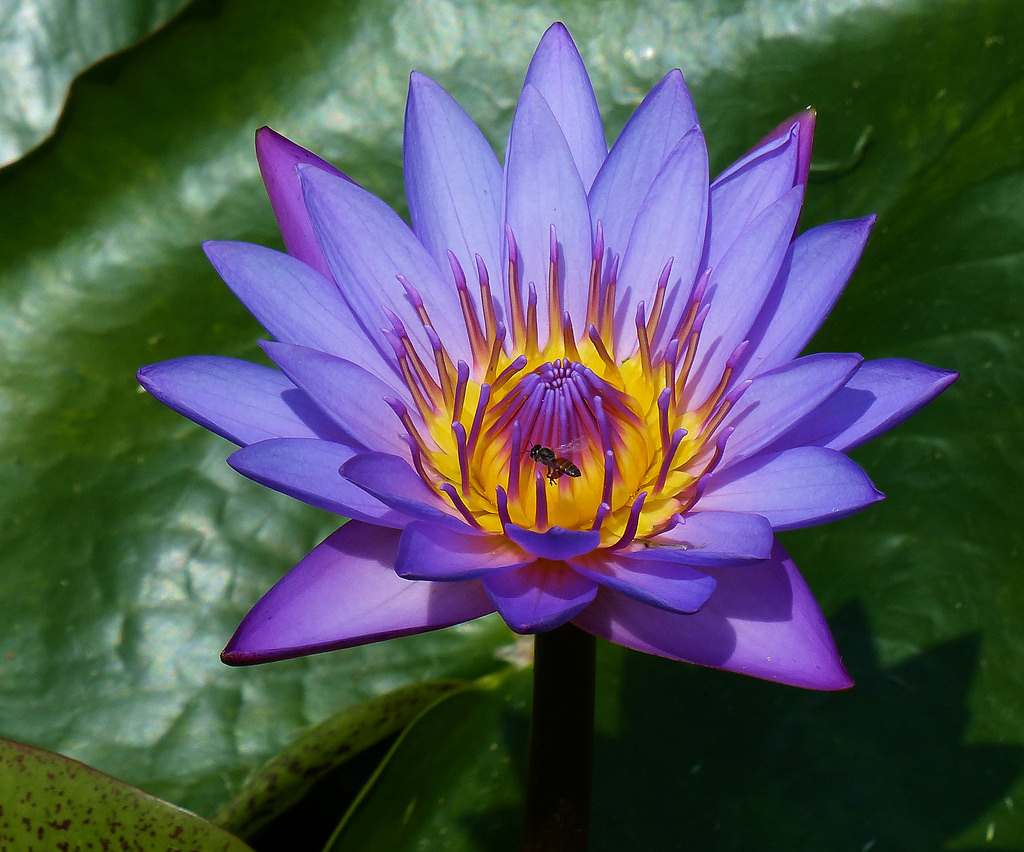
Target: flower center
[[567, 432]]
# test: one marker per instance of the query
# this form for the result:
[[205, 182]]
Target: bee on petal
[[556, 466]]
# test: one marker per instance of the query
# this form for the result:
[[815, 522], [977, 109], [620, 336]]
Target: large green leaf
[[45, 43], [421, 799], [52, 802], [130, 550], [288, 778]]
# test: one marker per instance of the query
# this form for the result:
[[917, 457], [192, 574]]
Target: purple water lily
[[571, 391]]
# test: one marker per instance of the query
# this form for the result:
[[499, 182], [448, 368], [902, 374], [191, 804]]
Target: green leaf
[[45, 43], [454, 779], [287, 778], [52, 802], [131, 551]]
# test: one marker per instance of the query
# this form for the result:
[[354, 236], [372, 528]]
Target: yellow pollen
[[615, 442]]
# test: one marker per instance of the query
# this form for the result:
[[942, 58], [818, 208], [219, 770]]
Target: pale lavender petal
[[427, 551], [813, 276], [669, 227], [540, 596], [395, 483], [543, 188], [367, 246], [296, 304], [238, 400], [349, 394], [664, 584], [775, 400], [795, 488], [738, 287], [452, 180], [558, 73], [307, 469], [761, 621], [346, 593], [636, 157], [880, 395], [714, 538], [278, 158], [556, 543], [747, 188]]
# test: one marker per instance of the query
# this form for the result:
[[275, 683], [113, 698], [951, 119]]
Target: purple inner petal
[[540, 596]]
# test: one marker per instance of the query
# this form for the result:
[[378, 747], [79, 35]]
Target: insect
[[556, 466]]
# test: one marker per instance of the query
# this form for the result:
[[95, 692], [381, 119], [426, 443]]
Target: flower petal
[[307, 469], [806, 121], [761, 621], [795, 488], [430, 552], [556, 543], [367, 246], [278, 158], [348, 393], [714, 538], [543, 188], [813, 276], [669, 227], [775, 400], [664, 584], [238, 400], [749, 187], [636, 157], [540, 596], [395, 483], [880, 395], [739, 286], [346, 593], [558, 73], [296, 304], [452, 180]]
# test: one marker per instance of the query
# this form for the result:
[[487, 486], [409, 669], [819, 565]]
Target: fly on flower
[[615, 297]]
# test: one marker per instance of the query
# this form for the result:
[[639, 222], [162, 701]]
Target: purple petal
[[238, 400], [775, 400], [540, 596], [556, 543], [395, 483], [749, 187], [879, 396], [543, 188], [761, 621], [738, 287], [795, 488], [429, 552], [714, 538], [651, 133], [806, 121], [366, 246], [307, 469], [346, 593], [452, 180], [296, 304], [558, 73], [349, 394], [659, 583], [278, 158], [669, 227], [819, 264]]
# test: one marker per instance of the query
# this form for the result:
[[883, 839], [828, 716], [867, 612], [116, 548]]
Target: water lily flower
[[571, 391]]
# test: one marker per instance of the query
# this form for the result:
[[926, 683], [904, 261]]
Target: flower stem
[[561, 742]]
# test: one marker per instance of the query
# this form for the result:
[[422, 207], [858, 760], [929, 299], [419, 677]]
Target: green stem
[[561, 742]]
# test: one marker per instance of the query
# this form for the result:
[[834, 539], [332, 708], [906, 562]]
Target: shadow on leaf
[[729, 763]]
